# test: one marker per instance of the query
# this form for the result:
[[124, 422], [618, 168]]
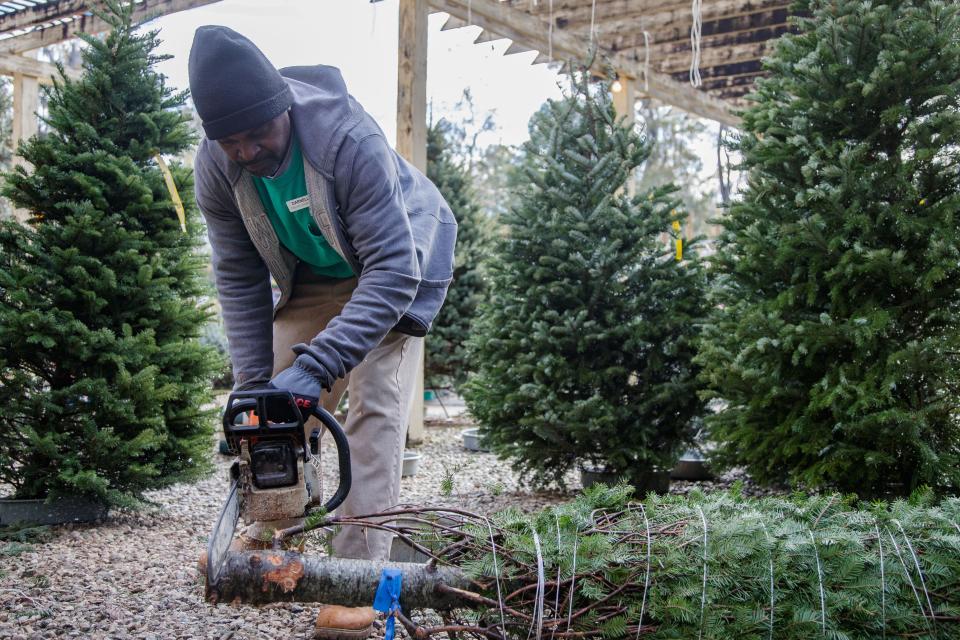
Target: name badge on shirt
[[297, 204]]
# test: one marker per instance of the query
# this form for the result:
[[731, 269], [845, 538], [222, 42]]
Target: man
[[297, 182]]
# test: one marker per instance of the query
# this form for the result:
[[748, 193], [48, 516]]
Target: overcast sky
[[360, 38]]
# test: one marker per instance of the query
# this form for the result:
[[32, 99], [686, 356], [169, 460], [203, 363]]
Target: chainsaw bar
[[222, 535]]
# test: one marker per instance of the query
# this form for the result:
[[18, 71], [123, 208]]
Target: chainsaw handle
[[236, 407], [343, 456]]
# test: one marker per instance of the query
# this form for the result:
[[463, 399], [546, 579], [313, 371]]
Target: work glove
[[304, 382]]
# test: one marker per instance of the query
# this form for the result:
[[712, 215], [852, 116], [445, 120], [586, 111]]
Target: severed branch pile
[[717, 566]]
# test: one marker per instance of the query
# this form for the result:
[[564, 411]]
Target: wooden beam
[[725, 82], [40, 13], [738, 93], [763, 34], [43, 71], [711, 57], [674, 25], [453, 23], [602, 6], [581, 11], [671, 29], [642, 15], [542, 58], [516, 48], [531, 31], [720, 71], [69, 27], [486, 36], [412, 136], [773, 23], [767, 18]]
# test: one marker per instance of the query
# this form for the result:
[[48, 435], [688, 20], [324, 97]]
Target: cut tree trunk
[[260, 577]]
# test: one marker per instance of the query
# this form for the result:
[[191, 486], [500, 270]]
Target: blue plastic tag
[[387, 598]]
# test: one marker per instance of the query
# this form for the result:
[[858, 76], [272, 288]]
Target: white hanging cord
[[373, 21], [823, 600], [695, 31], [883, 585], [923, 584], [573, 580], [550, 34], [541, 589], [906, 572], [646, 580], [646, 60], [556, 604], [593, 16], [770, 543], [703, 596], [496, 576]]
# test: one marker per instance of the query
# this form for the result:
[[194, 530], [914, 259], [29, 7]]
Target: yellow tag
[[676, 227], [172, 188]]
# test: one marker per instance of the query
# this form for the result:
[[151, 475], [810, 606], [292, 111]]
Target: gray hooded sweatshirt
[[383, 216]]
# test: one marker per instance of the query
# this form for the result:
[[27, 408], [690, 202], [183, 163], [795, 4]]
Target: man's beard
[[264, 167]]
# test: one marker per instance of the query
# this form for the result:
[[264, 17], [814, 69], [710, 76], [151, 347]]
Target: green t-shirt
[[288, 208]]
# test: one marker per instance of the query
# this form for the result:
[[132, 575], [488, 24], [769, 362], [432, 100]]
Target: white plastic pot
[[411, 463], [472, 441]]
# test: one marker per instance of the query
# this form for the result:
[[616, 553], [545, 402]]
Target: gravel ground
[[135, 575]]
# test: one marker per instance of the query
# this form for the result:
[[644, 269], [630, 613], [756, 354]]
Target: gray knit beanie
[[234, 86]]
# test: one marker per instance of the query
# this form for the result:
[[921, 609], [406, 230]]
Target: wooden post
[[26, 101], [625, 100], [412, 134], [625, 103]]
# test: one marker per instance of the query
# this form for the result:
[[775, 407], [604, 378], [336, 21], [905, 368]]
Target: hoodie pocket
[[435, 241]]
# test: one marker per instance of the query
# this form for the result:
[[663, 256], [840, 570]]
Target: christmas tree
[[834, 344], [720, 566], [102, 377], [584, 348], [446, 347]]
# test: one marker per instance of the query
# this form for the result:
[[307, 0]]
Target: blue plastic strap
[[387, 598]]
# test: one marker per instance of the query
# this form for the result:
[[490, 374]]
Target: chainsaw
[[274, 482]]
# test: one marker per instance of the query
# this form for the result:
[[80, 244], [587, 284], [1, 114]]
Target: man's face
[[260, 150]]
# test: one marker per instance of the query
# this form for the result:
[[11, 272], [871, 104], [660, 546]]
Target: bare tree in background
[[674, 158], [492, 167]]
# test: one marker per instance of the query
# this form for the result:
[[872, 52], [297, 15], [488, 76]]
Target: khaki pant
[[380, 389]]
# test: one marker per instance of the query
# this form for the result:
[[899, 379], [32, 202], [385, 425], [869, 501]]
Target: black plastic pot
[[655, 480], [59, 511], [691, 466]]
